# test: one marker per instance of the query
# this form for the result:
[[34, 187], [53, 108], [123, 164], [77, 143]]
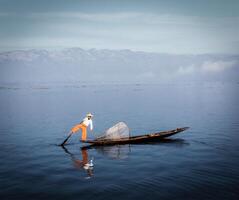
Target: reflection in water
[[123, 151], [112, 151], [165, 141], [81, 163]]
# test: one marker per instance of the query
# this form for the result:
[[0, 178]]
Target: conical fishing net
[[118, 131]]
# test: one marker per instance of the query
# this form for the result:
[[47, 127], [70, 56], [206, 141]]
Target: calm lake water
[[200, 163]]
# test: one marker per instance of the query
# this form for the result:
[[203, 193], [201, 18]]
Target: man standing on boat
[[87, 121]]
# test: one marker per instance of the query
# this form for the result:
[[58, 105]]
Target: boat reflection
[[123, 151], [113, 151], [168, 141], [83, 163]]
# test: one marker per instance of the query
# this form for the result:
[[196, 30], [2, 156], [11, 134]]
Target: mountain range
[[89, 65]]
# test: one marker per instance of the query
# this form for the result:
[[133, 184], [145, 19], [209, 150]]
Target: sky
[[173, 26]]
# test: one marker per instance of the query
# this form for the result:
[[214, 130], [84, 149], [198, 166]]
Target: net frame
[[118, 131]]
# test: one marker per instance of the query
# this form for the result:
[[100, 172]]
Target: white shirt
[[88, 122]]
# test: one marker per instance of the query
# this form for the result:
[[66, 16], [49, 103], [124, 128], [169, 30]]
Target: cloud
[[5, 14], [141, 17], [186, 70], [94, 17], [144, 31], [206, 67], [217, 66]]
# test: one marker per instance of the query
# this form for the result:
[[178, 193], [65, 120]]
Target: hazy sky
[[179, 26]]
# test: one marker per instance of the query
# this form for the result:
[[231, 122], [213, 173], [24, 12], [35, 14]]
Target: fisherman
[[83, 163], [87, 121]]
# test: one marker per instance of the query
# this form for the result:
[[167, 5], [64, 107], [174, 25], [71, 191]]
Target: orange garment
[[84, 156], [80, 163], [83, 129]]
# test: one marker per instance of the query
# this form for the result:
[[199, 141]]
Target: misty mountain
[[76, 64]]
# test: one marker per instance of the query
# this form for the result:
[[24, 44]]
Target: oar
[[70, 133], [62, 144]]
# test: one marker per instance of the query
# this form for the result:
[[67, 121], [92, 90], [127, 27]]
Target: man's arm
[[91, 125]]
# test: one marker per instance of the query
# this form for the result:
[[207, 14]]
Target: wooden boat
[[136, 139]]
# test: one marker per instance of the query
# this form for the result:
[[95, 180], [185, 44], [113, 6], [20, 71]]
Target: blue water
[[200, 163]]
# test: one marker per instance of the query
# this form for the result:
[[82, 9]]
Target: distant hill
[[76, 64]]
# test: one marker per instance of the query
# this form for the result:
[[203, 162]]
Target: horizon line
[[51, 49]]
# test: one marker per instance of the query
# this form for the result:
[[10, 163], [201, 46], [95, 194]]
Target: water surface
[[200, 163]]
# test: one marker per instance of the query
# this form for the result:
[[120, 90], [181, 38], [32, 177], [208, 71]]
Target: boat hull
[[137, 139]]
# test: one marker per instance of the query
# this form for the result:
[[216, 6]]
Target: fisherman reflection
[[83, 163]]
